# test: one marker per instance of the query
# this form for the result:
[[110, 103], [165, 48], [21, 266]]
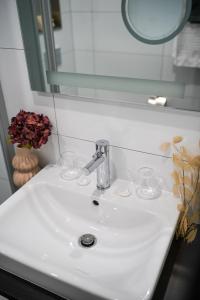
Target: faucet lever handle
[[102, 146], [100, 158], [98, 154]]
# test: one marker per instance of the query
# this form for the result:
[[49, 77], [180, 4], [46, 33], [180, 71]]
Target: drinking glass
[[71, 168], [148, 186]]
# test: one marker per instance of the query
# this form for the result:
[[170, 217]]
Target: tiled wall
[[135, 134]]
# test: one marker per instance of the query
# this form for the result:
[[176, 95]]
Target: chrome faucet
[[100, 162]]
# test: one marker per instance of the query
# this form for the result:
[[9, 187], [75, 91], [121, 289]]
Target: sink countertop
[[41, 223]]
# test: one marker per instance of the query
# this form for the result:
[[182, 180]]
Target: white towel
[[186, 48]]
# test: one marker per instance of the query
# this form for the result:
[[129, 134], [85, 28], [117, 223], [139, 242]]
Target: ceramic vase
[[25, 163]]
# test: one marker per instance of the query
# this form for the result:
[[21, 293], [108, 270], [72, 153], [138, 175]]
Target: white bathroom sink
[[41, 224]]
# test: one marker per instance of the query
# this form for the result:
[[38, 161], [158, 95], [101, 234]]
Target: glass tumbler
[[70, 166], [148, 186]]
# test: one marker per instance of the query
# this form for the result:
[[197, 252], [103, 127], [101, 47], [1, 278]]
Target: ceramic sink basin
[[40, 227]]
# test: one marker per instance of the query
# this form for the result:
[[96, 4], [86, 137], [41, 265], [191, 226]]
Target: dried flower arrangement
[[186, 179], [29, 130]]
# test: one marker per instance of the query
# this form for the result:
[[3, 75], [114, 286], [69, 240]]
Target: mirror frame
[[155, 41]]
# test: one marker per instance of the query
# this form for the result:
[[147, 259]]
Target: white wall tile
[[123, 162], [15, 83], [168, 70], [130, 128], [82, 31], [79, 147], [67, 61], [168, 48], [3, 171], [64, 36], [5, 190], [64, 5], [42, 103], [10, 31], [110, 34], [126, 164], [128, 65], [107, 5], [81, 6], [49, 153], [84, 61], [16, 86]]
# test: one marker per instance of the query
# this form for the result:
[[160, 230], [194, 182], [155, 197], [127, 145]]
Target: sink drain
[[87, 240]]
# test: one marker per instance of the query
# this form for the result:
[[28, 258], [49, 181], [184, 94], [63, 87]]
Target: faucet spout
[[100, 162], [94, 163]]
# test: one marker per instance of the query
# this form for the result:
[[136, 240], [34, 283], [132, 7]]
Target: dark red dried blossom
[[29, 129]]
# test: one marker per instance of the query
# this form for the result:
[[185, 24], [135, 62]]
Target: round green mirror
[[155, 21]]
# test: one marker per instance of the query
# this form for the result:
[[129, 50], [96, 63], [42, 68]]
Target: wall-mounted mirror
[[94, 55], [155, 21]]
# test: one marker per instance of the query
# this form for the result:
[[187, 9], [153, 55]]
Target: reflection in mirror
[[94, 40], [55, 15]]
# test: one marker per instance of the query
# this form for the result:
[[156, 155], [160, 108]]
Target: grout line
[[54, 107], [118, 147], [59, 148], [72, 37], [8, 48], [93, 45], [120, 52], [162, 62], [140, 151], [95, 12]]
